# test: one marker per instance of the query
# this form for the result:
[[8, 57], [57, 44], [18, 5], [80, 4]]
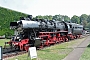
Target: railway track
[[11, 54], [16, 53]]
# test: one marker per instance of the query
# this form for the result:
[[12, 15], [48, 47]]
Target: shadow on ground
[[88, 45]]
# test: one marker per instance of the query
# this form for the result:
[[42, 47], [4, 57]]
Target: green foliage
[[88, 19], [48, 17], [84, 22], [66, 18], [86, 55], [88, 25], [39, 17], [83, 17], [58, 17], [75, 19], [7, 16]]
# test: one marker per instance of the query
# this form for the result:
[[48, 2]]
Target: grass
[[2, 41], [56, 52], [86, 54]]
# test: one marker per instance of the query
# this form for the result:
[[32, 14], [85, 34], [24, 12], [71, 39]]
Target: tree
[[75, 19], [7, 16], [83, 17], [50, 17], [84, 22], [88, 25], [66, 18], [58, 17], [39, 17], [88, 19]]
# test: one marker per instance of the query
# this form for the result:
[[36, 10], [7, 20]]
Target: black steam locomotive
[[40, 32]]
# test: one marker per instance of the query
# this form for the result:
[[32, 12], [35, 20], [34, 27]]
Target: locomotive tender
[[40, 32]]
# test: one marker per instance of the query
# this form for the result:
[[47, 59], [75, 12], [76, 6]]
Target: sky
[[48, 7]]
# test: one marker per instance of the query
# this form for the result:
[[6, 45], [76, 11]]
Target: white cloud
[[49, 7]]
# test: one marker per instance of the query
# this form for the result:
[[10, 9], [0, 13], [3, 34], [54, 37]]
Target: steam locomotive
[[41, 32]]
